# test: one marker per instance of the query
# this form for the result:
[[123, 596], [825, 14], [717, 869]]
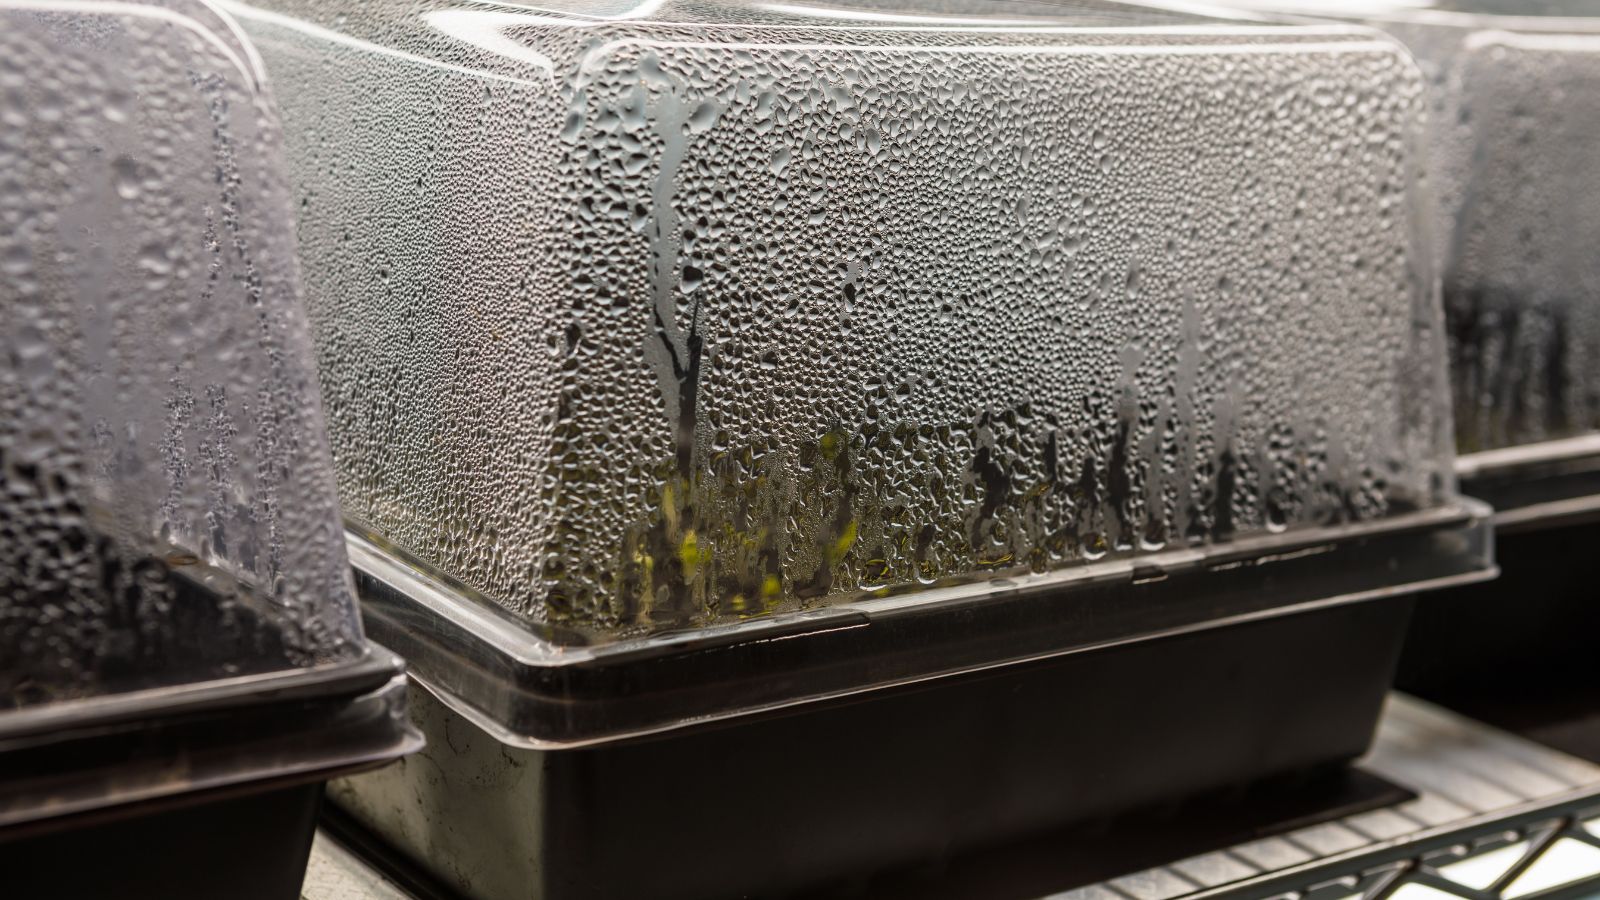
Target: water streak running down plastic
[[633, 322], [166, 493]]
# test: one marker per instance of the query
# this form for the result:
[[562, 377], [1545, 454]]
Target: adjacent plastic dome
[[167, 509], [1513, 141], [694, 311], [1518, 146]]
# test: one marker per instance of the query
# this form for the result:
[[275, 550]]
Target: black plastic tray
[[840, 793], [1519, 652], [197, 790], [249, 847], [780, 754]]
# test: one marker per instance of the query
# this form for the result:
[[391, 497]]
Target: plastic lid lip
[[297, 739], [1510, 460], [1541, 485], [72, 759], [64, 720], [530, 693], [75, 759]]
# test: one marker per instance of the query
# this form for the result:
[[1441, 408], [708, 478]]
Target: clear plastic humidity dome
[[168, 513], [1513, 98], [170, 541], [694, 312], [1516, 102], [1517, 144]]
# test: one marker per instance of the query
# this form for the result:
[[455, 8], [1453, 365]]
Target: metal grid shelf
[[1496, 817]]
